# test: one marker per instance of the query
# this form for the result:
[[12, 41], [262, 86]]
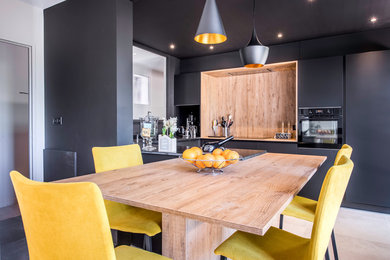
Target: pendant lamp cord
[[253, 13], [254, 40]]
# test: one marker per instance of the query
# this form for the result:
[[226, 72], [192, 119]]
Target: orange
[[189, 154], [233, 156], [197, 150], [219, 161], [217, 151], [200, 164], [209, 160], [226, 152]]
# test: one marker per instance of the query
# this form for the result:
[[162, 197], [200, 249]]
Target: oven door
[[320, 133]]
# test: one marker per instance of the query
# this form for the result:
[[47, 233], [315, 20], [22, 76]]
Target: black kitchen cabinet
[[150, 158], [187, 89], [320, 82], [368, 127], [313, 187]]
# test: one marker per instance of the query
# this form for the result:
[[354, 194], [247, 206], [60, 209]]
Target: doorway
[[15, 80], [149, 84]]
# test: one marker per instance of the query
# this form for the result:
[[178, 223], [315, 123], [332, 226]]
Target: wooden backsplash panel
[[258, 102]]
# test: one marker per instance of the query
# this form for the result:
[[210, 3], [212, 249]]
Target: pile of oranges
[[218, 159]]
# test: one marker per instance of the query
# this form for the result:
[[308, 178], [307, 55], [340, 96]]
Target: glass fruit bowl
[[211, 166]]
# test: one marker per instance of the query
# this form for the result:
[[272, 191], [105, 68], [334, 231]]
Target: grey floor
[[360, 234], [13, 244]]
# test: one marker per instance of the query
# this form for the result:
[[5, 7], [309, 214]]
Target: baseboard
[[366, 207]]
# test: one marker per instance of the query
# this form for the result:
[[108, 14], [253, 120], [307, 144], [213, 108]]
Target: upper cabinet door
[[187, 89], [368, 126], [320, 82]]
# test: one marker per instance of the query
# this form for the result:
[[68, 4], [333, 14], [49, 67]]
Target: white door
[[14, 116]]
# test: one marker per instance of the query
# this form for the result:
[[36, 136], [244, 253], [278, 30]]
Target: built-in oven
[[320, 127]]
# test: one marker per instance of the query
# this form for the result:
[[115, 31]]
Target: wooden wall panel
[[258, 102]]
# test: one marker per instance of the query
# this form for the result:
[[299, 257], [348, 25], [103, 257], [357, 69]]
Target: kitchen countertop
[[183, 139], [269, 139], [245, 153], [179, 139]]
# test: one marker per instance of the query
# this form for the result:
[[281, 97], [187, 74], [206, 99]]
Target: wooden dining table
[[199, 211]]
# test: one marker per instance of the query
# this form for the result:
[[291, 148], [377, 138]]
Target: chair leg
[[281, 222], [130, 238], [147, 243], [114, 234], [336, 255], [327, 255]]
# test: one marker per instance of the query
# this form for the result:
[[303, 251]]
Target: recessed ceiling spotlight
[[373, 19], [280, 35], [172, 46], [211, 47]]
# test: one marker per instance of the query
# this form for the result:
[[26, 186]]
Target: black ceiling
[[158, 23]]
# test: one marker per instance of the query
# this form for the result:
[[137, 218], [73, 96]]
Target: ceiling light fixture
[[254, 55], [373, 19], [210, 28], [280, 35], [211, 47], [172, 46]]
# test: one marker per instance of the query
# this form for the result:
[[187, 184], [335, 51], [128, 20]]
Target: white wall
[[157, 92], [23, 23]]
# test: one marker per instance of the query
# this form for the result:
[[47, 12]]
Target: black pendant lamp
[[210, 28], [254, 55]]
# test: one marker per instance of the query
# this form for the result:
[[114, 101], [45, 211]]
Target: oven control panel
[[320, 112]]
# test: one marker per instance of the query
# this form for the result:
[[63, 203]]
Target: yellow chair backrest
[[331, 196], [63, 220], [345, 150], [116, 157]]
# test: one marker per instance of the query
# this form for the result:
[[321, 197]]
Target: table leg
[[188, 239]]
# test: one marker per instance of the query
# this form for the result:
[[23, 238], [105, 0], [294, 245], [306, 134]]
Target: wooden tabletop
[[246, 197]]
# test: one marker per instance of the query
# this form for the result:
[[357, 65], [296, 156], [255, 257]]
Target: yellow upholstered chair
[[124, 217], [280, 244], [304, 208], [68, 221]]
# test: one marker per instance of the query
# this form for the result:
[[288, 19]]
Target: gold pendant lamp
[[210, 28]]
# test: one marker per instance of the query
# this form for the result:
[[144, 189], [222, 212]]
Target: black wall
[[323, 47], [88, 76], [124, 70]]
